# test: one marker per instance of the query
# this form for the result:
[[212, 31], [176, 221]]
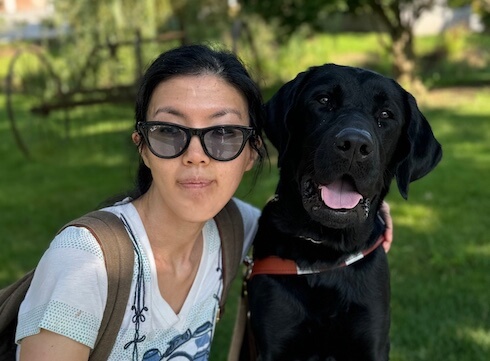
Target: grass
[[66, 177], [440, 259], [441, 256]]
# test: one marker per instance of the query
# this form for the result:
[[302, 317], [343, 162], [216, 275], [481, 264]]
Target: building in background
[[26, 10], [441, 18], [26, 20]]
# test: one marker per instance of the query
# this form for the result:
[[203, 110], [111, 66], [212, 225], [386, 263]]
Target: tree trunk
[[400, 29], [403, 55], [404, 60]]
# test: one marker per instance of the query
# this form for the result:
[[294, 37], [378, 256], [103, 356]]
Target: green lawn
[[440, 259]]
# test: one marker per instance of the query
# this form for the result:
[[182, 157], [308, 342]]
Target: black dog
[[342, 134]]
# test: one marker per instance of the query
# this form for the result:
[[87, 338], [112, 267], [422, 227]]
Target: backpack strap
[[230, 225], [118, 251], [10, 299]]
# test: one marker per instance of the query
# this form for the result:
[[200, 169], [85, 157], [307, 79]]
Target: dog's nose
[[354, 143]]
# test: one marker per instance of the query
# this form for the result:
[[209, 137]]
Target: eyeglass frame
[[247, 131]]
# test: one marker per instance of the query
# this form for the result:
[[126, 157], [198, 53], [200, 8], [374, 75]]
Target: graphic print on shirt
[[194, 346], [138, 306], [197, 346]]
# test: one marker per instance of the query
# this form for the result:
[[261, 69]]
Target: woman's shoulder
[[247, 210], [77, 238], [80, 238], [250, 216]]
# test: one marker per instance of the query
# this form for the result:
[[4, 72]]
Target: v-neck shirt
[[69, 291]]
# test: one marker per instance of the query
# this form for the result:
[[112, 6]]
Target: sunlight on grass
[[104, 127], [102, 159], [417, 217], [482, 250], [479, 336]]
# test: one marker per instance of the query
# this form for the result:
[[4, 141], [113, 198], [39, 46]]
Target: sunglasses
[[221, 142]]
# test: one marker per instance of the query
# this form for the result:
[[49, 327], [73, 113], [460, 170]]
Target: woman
[[198, 130]]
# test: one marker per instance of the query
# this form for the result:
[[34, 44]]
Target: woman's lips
[[195, 183]]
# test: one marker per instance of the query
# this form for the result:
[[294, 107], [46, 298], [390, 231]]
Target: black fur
[[334, 122]]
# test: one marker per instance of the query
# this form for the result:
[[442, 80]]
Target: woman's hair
[[199, 60]]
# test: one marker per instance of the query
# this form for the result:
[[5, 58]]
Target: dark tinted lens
[[224, 143], [166, 140]]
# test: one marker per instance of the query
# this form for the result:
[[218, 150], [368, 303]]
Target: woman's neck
[[171, 238], [177, 247]]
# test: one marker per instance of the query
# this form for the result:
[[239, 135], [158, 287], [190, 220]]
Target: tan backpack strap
[[242, 345], [230, 226], [118, 251], [10, 299]]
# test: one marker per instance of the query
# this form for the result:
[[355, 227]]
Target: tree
[[120, 19], [396, 18], [200, 20], [109, 23], [112, 20]]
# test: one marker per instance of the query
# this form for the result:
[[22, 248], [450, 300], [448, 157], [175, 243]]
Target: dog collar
[[274, 265]]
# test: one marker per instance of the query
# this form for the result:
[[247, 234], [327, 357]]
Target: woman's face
[[193, 186]]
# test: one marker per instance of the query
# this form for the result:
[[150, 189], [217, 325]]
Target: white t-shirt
[[69, 291]]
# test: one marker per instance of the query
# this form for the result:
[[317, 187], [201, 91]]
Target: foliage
[[391, 16], [112, 20], [88, 55], [295, 14], [115, 20], [213, 15], [395, 15], [292, 15], [101, 33]]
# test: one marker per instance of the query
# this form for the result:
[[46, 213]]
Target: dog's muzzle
[[335, 204]]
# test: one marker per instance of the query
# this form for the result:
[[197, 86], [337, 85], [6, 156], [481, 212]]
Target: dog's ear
[[278, 110], [421, 151]]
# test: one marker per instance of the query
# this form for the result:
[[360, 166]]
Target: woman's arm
[[65, 302], [50, 346], [385, 211]]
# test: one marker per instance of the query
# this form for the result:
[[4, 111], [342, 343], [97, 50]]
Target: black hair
[[199, 60]]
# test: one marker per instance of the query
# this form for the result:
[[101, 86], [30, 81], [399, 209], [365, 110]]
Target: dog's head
[[343, 134]]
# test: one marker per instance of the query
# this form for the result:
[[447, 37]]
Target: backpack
[[118, 251]]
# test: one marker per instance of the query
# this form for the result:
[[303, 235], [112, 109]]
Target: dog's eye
[[386, 114], [325, 101]]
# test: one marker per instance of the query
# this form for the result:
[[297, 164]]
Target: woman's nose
[[195, 153]]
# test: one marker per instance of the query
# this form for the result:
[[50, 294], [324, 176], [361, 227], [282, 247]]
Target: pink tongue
[[340, 195]]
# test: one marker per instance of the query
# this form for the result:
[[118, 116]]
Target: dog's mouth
[[335, 203], [340, 194]]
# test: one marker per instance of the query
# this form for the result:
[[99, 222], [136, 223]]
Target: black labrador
[[320, 286]]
